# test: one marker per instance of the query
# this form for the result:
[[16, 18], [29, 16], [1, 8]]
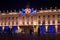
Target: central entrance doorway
[[26, 29]]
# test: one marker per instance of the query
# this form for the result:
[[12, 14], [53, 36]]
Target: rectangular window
[[53, 22], [12, 23], [27, 22], [9, 18], [48, 16], [5, 23], [58, 16], [53, 16], [12, 17], [58, 20], [43, 16], [23, 23], [48, 21], [5, 20], [9, 23], [38, 21], [43, 21], [31, 17], [2, 18], [16, 18], [16, 23], [1, 23], [39, 17], [32, 22]]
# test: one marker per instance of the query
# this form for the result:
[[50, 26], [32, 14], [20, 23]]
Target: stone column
[[7, 22], [35, 20], [37, 25], [51, 23], [41, 20], [46, 23], [18, 21], [19, 29], [10, 22], [30, 20], [0, 22], [3, 23], [56, 23], [14, 20]]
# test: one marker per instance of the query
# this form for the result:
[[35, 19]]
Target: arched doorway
[[42, 29], [14, 29], [26, 29], [51, 29], [35, 29], [1, 29], [6, 29]]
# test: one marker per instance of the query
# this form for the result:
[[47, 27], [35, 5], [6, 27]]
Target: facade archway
[[0, 29], [14, 29], [51, 29], [6, 29], [26, 29], [42, 29]]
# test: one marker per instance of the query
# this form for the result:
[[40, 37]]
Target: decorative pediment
[[27, 11]]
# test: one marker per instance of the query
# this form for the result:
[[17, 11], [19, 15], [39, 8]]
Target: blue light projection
[[51, 29], [42, 29], [0, 29], [32, 11], [23, 11], [14, 28], [6, 29]]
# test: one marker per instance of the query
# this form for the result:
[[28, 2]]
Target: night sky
[[19, 4]]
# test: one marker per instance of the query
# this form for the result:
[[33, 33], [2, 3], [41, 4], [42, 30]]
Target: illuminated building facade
[[26, 19]]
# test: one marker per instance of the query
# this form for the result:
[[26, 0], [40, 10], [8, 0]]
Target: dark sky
[[19, 4]]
